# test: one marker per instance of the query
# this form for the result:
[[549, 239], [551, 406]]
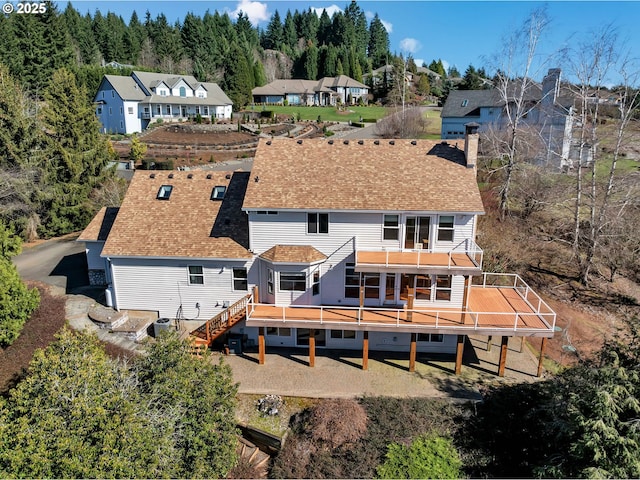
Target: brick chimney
[[471, 140]]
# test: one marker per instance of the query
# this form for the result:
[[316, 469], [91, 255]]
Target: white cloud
[[446, 65], [331, 9], [410, 45], [419, 61], [256, 11]]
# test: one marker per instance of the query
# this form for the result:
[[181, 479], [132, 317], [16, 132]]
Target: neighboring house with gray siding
[[549, 117]]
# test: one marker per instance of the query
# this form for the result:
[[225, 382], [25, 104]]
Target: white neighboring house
[[130, 104], [346, 244]]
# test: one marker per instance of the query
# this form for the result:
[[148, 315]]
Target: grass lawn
[[327, 114]]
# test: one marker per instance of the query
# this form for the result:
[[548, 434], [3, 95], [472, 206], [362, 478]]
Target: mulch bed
[[38, 332]]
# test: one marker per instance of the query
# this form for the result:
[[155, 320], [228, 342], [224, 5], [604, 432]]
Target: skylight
[[165, 192], [464, 103], [218, 192]]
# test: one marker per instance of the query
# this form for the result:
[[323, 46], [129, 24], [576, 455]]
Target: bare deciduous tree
[[408, 124]]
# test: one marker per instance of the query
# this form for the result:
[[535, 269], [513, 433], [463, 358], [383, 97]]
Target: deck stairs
[[217, 326]]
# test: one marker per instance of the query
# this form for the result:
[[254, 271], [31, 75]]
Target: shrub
[[337, 421], [429, 456]]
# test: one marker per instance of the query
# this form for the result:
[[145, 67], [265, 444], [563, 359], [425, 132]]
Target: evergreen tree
[[357, 18], [80, 31], [471, 79], [437, 67], [307, 26], [77, 156], [274, 35], [245, 31], [289, 33], [135, 37], [378, 48], [311, 63], [16, 301], [324, 28], [238, 77]]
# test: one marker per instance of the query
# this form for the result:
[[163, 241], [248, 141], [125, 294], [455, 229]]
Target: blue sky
[[458, 32]]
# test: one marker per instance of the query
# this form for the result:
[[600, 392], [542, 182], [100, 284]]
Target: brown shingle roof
[[293, 254], [393, 175], [189, 224], [100, 226]]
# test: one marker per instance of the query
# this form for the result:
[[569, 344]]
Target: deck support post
[[503, 356], [465, 298], [361, 302], [412, 353], [543, 347], [489, 340], [261, 349], [256, 294], [365, 351], [312, 347], [411, 294], [459, 352]]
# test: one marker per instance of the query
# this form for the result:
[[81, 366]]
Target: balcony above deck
[[463, 259], [501, 305]]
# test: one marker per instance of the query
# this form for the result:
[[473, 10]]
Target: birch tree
[[515, 70], [592, 64]]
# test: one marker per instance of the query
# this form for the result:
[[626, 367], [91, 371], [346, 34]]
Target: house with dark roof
[[342, 244], [323, 92], [548, 118], [130, 104]]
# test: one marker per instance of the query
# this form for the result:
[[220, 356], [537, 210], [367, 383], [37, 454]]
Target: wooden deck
[[492, 311], [416, 261]]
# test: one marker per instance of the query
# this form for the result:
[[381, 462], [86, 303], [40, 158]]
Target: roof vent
[[171, 175], [228, 176], [209, 176], [153, 175], [346, 142], [413, 142], [268, 142], [360, 142], [256, 179], [376, 142], [190, 175], [392, 142], [299, 142], [330, 142]]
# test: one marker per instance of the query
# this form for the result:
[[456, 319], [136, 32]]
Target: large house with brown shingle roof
[[365, 244], [323, 92]]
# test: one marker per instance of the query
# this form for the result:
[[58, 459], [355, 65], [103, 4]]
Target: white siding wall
[[163, 285], [133, 123], [175, 91], [94, 260]]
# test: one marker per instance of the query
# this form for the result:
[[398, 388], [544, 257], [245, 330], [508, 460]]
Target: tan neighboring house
[[324, 92], [341, 244]]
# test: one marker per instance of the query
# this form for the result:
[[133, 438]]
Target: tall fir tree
[[378, 48]]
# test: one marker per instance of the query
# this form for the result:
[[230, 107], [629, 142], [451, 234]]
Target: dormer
[[161, 89], [181, 89], [201, 92]]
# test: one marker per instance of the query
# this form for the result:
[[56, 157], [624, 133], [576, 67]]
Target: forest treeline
[[213, 47]]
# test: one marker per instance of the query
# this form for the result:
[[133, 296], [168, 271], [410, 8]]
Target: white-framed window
[[351, 281], [196, 275], [445, 228], [205, 110], [240, 279], [146, 110], [200, 94], [168, 109], [270, 281], [279, 331], [130, 110], [197, 110], [431, 337], [391, 227], [371, 283], [443, 287], [343, 334], [183, 92], [317, 223], [423, 287], [315, 284], [158, 110], [218, 192], [293, 281], [164, 192]]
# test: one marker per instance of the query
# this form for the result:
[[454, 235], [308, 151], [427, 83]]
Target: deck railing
[[432, 318], [222, 319], [467, 247]]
